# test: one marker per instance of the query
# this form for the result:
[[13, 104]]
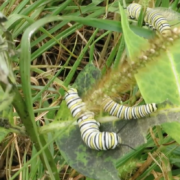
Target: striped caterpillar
[[89, 127], [152, 18]]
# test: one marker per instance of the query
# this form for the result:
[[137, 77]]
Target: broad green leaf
[[159, 80], [172, 129], [132, 133], [91, 163], [87, 78]]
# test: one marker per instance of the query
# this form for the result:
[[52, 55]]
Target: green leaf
[[172, 129], [94, 163], [159, 80], [87, 78]]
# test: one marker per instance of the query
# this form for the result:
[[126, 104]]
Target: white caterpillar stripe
[[89, 127], [127, 113], [152, 18]]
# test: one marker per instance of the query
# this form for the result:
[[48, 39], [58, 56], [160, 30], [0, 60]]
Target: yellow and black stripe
[[152, 18], [127, 113], [89, 127]]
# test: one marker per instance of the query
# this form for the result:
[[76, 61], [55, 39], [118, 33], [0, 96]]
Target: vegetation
[[48, 46]]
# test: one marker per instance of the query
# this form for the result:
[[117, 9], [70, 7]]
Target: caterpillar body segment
[[127, 113], [89, 127], [152, 18]]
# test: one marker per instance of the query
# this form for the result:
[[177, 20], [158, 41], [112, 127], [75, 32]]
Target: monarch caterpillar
[[89, 127], [127, 113], [152, 18]]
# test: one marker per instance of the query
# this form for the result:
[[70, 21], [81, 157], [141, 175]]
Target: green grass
[[53, 43]]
